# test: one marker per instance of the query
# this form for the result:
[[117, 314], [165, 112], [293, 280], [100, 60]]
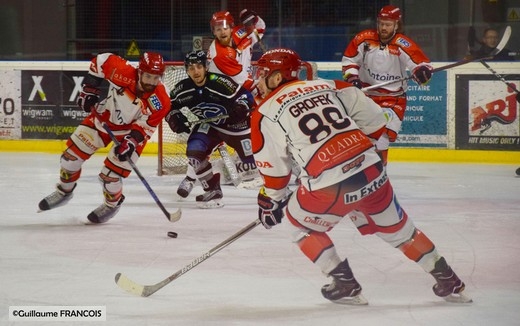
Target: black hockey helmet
[[193, 57]]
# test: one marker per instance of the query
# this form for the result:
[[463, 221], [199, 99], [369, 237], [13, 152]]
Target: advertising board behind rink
[[486, 113], [49, 109], [10, 118]]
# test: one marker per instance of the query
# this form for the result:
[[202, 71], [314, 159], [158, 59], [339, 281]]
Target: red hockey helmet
[[221, 18], [152, 63], [286, 61], [390, 12]]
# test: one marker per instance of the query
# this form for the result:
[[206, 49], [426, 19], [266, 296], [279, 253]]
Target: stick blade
[[503, 42], [174, 217], [129, 286]]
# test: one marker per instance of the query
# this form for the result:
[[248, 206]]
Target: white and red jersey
[[125, 109], [235, 60], [327, 127], [375, 63]]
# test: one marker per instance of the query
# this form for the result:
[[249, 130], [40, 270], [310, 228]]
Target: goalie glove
[[270, 212], [126, 148], [88, 97], [177, 122], [422, 74]]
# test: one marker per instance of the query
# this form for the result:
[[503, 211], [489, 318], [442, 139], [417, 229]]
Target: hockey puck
[[518, 171], [172, 234]]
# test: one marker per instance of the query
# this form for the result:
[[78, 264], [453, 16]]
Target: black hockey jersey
[[219, 96]]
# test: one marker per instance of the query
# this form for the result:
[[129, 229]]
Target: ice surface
[[470, 211]]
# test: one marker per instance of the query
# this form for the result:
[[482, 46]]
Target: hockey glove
[[354, 80], [270, 212], [239, 112], [248, 18], [126, 148], [422, 75], [88, 97], [177, 122]]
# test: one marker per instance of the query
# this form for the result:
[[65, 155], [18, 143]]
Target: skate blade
[[358, 300], [215, 203], [458, 298]]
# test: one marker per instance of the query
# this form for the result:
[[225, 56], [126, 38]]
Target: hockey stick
[[230, 166], [207, 120], [172, 217], [500, 46], [501, 78], [146, 290], [228, 163], [260, 42]]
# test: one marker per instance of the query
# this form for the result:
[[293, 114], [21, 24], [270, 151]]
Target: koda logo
[[499, 111]]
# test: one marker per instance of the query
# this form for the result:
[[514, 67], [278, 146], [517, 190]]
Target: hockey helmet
[[390, 12], [286, 61], [152, 63], [221, 18], [193, 57]]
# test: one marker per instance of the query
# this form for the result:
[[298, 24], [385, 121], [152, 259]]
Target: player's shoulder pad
[[403, 41], [239, 32], [182, 87], [367, 34]]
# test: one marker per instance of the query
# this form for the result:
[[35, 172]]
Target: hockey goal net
[[172, 146]]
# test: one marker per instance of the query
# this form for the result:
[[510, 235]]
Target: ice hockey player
[[329, 128], [136, 103], [231, 51], [378, 55], [210, 95], [230, 54]]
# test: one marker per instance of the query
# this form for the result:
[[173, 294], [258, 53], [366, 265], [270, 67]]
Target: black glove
[[354, 80], [126, 148], [177, 122], [239, 112], [422, 74], [270, 212], [88, 97], [248, 17]]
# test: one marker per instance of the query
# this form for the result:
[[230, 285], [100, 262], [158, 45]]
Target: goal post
[[172, 146]]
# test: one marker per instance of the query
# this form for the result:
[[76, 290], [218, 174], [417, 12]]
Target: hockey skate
[[105, 212], [56, 199], [448, 285], [344, 288], [185, 187], [211, 198]]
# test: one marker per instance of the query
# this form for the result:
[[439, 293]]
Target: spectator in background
[[489, 42]]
